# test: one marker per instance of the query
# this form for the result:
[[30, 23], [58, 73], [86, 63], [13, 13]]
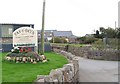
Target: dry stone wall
[[68, 73], [91, 53]]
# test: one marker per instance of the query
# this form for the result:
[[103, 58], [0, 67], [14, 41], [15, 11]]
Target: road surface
[[98, 70]]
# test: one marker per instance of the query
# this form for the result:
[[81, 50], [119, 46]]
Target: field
[[27, 72]]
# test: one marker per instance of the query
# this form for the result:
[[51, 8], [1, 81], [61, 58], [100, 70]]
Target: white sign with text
[[25, 37]]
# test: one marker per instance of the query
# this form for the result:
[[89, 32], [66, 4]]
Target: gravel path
[[98, 70]]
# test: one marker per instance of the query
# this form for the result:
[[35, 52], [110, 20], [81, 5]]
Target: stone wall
[[91, 53], [68, 73], [110, 55]]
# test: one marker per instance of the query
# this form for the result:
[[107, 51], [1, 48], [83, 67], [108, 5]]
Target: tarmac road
[[98, 70]]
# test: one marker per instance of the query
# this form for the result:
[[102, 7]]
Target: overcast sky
[[80, 16]]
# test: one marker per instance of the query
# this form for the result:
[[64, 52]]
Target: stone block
[[65, 76], [76, 66], [53, 74], [70, 77], [69, 67], [57, 74], [55, 81], [69, 72], [40, 78], [71, 57], [60, 75], [48, 79]]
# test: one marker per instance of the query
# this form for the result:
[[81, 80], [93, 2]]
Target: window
[[10, 30]]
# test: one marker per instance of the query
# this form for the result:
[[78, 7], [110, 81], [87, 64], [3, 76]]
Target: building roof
[[14, 24], [63, 33], [50, 30], [49, 33], [73, 36]]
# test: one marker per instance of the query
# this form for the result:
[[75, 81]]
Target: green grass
[[64, 44], [0, 68], [20, 72]]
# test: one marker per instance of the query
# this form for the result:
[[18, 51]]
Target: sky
[[79, 16]]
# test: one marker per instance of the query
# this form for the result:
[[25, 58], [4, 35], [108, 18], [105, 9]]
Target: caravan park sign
[[25, 37]]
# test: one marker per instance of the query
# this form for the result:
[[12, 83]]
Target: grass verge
[[63, 44], [20, 72]]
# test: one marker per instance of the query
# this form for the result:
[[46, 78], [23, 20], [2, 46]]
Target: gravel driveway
[[98, 70]]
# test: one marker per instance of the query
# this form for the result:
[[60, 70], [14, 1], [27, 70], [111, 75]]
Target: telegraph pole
[[42, 32], [115, 24]]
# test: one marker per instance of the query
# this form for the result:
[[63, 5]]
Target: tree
[[102, 29], [118, 33], [109, 32], [97, 34]]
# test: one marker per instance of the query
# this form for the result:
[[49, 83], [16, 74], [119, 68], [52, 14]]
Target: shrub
[[87, 40], [59, 40]]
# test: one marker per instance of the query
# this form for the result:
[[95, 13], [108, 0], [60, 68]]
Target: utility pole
[[42, 32], [115, 24], [52, 37]]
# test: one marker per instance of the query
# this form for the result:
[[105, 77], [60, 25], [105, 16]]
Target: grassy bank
[[20, 72]]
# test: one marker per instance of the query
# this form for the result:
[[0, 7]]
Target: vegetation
[[87, 40], [27, 72], [111, 43], [24, 55], [62, 44], [98, 44], [108, 38], [107, 32], [0, 67], [58, 40]]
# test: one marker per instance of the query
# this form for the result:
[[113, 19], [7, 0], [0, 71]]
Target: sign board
[[25, 37]]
